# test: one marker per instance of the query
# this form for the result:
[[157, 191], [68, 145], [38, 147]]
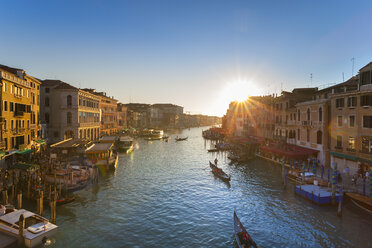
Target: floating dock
[[316, 194]]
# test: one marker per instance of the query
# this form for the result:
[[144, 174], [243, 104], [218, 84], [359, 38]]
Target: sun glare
[[240, 90]]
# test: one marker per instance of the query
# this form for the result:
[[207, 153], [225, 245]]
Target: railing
[[366, 152], [18, 130], [18, 113], [350, 149], [339, 148], [307, 123]]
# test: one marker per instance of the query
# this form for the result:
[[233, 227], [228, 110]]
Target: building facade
[[20, 108], [122, 112], [69, 112]]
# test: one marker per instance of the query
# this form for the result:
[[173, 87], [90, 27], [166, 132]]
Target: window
[[340, 102], [47, 90], [4, 124], [366, 100], [308, 114], [351, 144], [352, 101], [367, 144], [307, 135], [339, 142], [5, 106], [365, 78], [339, 121], [11, 107], [12, 124], [352, 121], [28, 123], [4, 87], [320, 114], [46, 101], [69, 100], [367, 121], [69, 117], [319, 135], [47, 118]]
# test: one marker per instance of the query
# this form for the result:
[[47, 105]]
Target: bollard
[[364, 186], [40, 203], [19, 200], [21, 227]]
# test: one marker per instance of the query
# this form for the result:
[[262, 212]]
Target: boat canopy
[[13, 217], [100, 147]]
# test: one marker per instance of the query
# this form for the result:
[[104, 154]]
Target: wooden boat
[[218, 172], [181, 139], [103, 156], [124, 144], [242, 237], [152, 138], [361, 201], [36, 229], [213, 150]]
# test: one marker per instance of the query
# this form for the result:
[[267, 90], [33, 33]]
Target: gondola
[[219, 172], [181, 139], [242, 237]]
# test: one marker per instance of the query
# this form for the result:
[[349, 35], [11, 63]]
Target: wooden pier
[[316, 194]]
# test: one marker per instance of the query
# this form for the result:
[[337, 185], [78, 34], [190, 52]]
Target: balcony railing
[[18, 113], [350, 149], [366, 152], [307, 123]]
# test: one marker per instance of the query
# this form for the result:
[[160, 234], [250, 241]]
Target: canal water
[[164, 195]]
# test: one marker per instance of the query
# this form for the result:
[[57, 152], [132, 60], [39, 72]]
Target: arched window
[[320, 114], [298, 134], [298, 115], [69, 118], [46, 101], [308, 114], [69, 100], [47, 118], [319, 137]]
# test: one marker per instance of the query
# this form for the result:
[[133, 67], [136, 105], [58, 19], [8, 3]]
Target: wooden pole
[[13, 193], [53, 208], [29, 187], [19, 200], [21, 227], [5, 197], [40, 203]]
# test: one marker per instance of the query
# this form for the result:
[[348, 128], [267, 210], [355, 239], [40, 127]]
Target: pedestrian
[[367, 175], [354, 180], [347, 170], [215, 161]]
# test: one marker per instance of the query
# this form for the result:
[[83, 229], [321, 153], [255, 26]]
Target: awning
[[289, 151], [351, 157], [25, 152], [25, 167], [40, 141]]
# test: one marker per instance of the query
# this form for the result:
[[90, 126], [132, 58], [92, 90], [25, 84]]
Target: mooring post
[[364, 186], [40, 203], [13, 194], [285, 178], [339, 210], [5, 197], [53, 209], [19, 200], [21, 227]]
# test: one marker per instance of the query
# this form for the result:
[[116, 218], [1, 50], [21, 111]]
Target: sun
[[239, 90]]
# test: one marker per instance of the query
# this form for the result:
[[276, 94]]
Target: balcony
[[307, 123], [2, 119], [18, 113], [16, 131], [350, 150], [365, 152]]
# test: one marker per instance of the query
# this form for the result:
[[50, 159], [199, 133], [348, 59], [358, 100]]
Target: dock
[[7, 241], [316, 194]]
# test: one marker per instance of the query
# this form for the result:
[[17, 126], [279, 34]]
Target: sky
[[198, 54]]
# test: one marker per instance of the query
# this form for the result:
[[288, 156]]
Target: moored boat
[[181, 139], [124, 144], [218, 172], [103, 156], [361, 201], [36, 228], [243, 239]]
